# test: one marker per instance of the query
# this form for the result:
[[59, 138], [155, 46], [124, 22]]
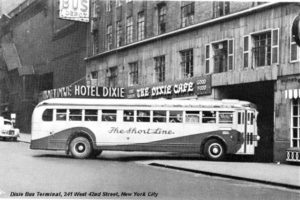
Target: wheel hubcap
[[80, 147], [215, 150]]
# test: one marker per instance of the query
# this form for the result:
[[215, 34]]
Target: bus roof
[[229, 103]]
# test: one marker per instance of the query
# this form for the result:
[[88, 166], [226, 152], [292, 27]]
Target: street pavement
[[277, 174]]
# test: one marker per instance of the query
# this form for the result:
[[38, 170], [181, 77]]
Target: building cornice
[[189, 28]]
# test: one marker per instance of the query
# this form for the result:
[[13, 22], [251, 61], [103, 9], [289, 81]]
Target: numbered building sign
[[75, 10]]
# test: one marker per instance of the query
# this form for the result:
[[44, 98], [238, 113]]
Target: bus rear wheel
[[214, 150], [80, 147]]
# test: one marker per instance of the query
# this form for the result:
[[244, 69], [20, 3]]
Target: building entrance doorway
[[262, 95]]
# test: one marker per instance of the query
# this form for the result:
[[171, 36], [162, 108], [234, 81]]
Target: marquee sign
[[75, 10]]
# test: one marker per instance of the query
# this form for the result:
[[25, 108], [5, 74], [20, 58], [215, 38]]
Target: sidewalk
[[269, 173]]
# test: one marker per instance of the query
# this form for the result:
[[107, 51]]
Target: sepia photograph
[[150, 99]]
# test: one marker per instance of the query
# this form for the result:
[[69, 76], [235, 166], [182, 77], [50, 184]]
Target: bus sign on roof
[[75, 10]]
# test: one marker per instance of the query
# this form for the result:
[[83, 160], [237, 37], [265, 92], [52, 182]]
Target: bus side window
[[61, 114], [208, 116], [48, 115], [143, 116], [159, 116], [128, 115], [192, 116], [225, 117], [239, 118], [175, 117], [109, 115], [75, 115], [91, 115], [252, 118]]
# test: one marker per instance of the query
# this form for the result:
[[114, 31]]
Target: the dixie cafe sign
[[192, 86]]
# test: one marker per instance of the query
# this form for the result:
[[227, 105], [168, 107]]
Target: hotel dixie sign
[[75, 10], [83, 91]]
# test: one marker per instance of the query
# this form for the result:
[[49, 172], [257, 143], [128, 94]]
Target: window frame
[[292, 42], [272, 46], [210, 59], [119, 33], [109, 39], [292, 125], [187, 63], [187, 18], [133, 73], [112, 76], [141, 26], [160, 68], [129, 30], [217, 7], [162, 15]]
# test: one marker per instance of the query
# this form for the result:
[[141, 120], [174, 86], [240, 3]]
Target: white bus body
[[85, 127]]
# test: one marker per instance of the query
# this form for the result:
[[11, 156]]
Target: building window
[[207, 59], [261, 51], [223, 56], [108, 5], [159, 69], [141, 25], [94, 78], [295, 137], [95, 42], [246, 52], [118, 3], [112, 77], [294, 50], [133, 74], [119, 33], [187, 64], [220, 8], [187, 14], [162, 12], [264, 48], [109, 37], [129, 30]]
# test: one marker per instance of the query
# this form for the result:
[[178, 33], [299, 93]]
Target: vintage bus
[[86, 127]]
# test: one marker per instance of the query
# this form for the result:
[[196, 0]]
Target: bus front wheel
[[214, 150], [80, 147]]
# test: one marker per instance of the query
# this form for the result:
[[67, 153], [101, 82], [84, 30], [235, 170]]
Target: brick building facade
[[39, 51], [246, 48]]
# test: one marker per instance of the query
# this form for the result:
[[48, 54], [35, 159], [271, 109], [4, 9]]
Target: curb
[[227, 176]]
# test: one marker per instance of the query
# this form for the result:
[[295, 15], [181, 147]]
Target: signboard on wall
[[192, 86], [75, 10], [83, 91]]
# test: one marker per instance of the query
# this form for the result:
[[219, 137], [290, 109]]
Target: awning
[[292, 93]]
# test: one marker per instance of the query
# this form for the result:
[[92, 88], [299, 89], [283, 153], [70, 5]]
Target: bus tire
[[214, 150], [95, 153], [80, 147]]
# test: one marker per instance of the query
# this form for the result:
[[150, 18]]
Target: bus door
[[246, 125]]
